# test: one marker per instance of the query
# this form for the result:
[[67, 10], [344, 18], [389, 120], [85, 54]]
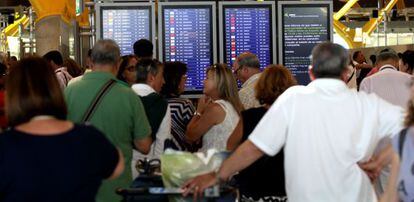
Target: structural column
[[52, 33]]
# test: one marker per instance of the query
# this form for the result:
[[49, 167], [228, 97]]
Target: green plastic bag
[[177, 167]]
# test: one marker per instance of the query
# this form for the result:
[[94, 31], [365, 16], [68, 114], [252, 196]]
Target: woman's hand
[[199, 184], [203, 102], [374, 166]]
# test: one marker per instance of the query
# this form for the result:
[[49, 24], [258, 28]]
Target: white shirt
[[389, 84], [217, 136], [394, 87], [326, 129], [163, 133], [247, 93]]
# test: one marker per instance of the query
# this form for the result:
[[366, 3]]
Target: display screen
[[248, 28], [304, 26], [188, 37], [126, 25]]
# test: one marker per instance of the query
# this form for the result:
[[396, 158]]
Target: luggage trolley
[[148, 186]]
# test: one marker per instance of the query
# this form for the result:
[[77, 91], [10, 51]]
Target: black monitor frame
[[190, 93], [294, 4], [100, 7], [222, 38]]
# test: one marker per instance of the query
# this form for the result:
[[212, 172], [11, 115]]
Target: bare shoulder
[[215, 112], [214, 107]]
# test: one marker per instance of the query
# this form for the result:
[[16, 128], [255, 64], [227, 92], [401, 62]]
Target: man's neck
[[252, 72], [385, 64], [104, 68]]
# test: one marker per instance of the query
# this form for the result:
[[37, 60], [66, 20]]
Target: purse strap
[[401, 140], [102, 92], [350, 78]]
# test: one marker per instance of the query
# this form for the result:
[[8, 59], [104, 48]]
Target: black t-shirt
[[266, 176], [63, 167], [155, 109]]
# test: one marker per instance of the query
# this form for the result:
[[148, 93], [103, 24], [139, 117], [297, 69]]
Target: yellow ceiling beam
[[346, 33], [83, 18], [45, 8], [13, 29], [63, 8], [344, 9]]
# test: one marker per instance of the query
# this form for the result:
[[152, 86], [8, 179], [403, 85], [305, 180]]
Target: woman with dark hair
[[406, 63], [43, 157], [73, 68], [182, 109], [263, 180], [127, 71]]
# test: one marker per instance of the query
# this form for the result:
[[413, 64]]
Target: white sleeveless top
[[218, 135]]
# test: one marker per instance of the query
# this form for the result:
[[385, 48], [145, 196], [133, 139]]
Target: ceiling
[[14, 3], [367, 3], [337, 3]]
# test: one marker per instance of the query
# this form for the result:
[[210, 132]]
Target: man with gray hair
[[325, 130], [247, 70], [392, 86], [111, 106], [388, 83]]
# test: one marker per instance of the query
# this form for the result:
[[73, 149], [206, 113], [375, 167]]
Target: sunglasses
[[238, 69]]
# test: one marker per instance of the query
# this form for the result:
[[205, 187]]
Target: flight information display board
[[126, 24], [247, 27], [188, 35], [303, 26]]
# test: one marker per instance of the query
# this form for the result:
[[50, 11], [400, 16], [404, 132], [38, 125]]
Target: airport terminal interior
[[207, 100]]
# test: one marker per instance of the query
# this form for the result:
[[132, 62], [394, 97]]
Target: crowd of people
[[75, 134]]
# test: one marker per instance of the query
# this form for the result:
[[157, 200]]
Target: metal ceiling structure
[[338, 4]]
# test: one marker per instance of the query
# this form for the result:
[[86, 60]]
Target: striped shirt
[[182, 111]]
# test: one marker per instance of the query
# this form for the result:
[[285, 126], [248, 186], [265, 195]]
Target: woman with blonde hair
[[218, 111]]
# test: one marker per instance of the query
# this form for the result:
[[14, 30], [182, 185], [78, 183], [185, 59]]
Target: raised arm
[[209, 114]]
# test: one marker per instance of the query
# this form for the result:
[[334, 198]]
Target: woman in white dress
[[218, 111]]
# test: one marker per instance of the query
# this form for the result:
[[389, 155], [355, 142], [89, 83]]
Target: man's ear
[[397, 65], [116, 67], [311, 75], [150, 78], [344, 75]]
